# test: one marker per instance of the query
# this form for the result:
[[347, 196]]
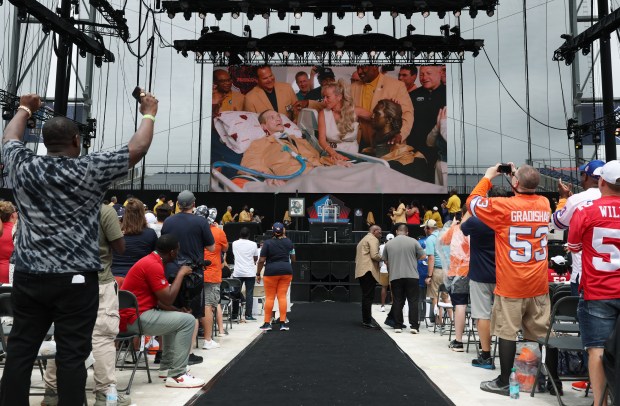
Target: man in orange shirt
[[521, 225], [212, 278]]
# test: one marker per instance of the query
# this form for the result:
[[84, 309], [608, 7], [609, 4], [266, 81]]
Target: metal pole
[[527, 86], [607, 85], [576, 86], [202, 91], [12, 84], [63, 65], [135, 121]]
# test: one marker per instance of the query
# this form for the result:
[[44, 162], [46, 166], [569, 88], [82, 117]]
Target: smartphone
[[136, 93], [505, 168]]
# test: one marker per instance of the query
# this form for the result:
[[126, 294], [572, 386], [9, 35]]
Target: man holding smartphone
[[56, 249]]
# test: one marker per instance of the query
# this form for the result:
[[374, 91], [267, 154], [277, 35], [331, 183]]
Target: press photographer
[[192, 284], [147, 281]]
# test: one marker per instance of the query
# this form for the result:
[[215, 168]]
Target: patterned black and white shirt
[[59, 200]]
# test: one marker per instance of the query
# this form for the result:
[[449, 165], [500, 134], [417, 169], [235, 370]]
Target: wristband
[[149, 116], [26, 109]]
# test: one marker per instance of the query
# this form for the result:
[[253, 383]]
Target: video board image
[[366, 129]]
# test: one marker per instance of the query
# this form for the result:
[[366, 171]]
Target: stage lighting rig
[[234, 15], [361, 14], [473, 12], [298, 15], [410, 29], [394, 14], [367, 28], [456, 30], [187, 15], [445, 30], [171, 15], [491, 11], [281, 15], [340, 15], [441, 14], [457, 13], [318, 15], [295, 29], [376, 14]]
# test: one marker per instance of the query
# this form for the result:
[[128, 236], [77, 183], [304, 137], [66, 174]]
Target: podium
[[330, 233]]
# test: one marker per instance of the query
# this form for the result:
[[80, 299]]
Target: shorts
[[212, 294], [436, 280], [459, 298], [481, 296], [530, 314], [197, 305], [597, 320], [384, 279]]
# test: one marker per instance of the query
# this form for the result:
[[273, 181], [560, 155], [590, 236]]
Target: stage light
[[46, 30], [247, 30], [617, 132], [202, 15], [339, 53], [187, 15], [566, 37], [410, 29], [82, 53], [445, 29], [578, 142], [376, 14], [266, 15], [250, 15], [394, 14], [204, 31], [340, 15], [297, 14], [295, 29], [184, 53], [441, 14], [491, 11], [475, 53], [285, 54], [7, 114], [425, 13], [281, 15], [318, 15], [401, 52], [372, 54], [235, 15], [218, 16], [473, 12], [431, 55], [408, 15], [367, 28], [215, 28], [585, 50], [456, 30], [98, 61], [457, 13], [22, 14], [461, 54], [257, 53], [361, 14], [171, 15]]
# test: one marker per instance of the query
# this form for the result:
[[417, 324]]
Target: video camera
[[192, 283]]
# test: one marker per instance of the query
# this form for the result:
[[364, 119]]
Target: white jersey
[[382, 266], [244, 251], [561, 220]]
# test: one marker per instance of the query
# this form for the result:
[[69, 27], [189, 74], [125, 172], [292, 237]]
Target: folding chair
[[225, 302], [234, 286], [567, 307], [125, 340]]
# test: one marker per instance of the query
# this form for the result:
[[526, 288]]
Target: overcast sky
[[495, 127]]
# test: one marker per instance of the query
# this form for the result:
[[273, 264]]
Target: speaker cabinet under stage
[[320, 270], [319, 293], [340, 271], [301, 271], [300, 292]]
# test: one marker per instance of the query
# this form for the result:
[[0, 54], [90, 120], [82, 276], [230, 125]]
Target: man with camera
[[56, 256], [148, 282]]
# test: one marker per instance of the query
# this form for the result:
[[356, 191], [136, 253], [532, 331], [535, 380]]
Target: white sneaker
[[184, 381], [383, 309], [398, 330], [414, 331], [163, 373], [210, 345]]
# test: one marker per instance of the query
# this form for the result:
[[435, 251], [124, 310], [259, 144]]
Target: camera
[[136, 93], [505, 168], [289, 107], [192, 283]]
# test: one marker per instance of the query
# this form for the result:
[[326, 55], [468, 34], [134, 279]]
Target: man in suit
[[367, 260], [224, 98], [270, 95], [375, 86]]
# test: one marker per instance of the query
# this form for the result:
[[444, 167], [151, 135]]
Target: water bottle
[[111, 397], [514, 384]]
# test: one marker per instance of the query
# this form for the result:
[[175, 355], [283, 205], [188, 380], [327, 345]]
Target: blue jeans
[[38, 301], [597, 320], [249, 293]]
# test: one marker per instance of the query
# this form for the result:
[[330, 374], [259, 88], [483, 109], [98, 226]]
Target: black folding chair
[[234, 286], [125, 340], [566, 307]]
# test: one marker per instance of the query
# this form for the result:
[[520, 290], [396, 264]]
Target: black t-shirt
[[273, 99], [136, 247], [426, 105], [314, 94], [277, 251], [193, 232]]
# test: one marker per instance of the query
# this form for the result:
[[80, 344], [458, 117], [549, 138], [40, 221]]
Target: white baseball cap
[[430, 223], [610, 172], [389, 237]]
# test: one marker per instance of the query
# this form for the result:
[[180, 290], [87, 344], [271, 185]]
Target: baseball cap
[[252, 210], [278, 228], [559, 259], [150, 218], [435, 208], [325, 73], [389, 237], [185, 199], [610, 172], [430, 224], [591, 166]]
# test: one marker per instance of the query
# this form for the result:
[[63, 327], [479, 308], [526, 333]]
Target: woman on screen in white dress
[[338, 121]]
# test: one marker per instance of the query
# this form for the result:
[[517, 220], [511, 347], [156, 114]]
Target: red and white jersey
[[595, 231], [562, 217], [521, 224]]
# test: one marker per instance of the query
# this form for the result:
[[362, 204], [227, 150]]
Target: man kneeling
[[146, 280]]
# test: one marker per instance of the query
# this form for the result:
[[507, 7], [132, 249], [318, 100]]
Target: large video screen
[[366, 129]]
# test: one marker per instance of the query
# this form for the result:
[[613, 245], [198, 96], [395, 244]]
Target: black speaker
[[320, 270], [303, 252], [301, 271], [340, 293], [343, 252], [340, 271], [319, 293], [300, 292]]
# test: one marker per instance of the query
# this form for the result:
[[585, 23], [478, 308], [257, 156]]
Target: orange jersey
[[521, 225], [213, 273]]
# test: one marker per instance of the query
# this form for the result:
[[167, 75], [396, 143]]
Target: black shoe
[[483, 363], [158, 355], [390, 322], [194, 359], [552, 391], [456, 346], [496, 387], [371, 325]]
